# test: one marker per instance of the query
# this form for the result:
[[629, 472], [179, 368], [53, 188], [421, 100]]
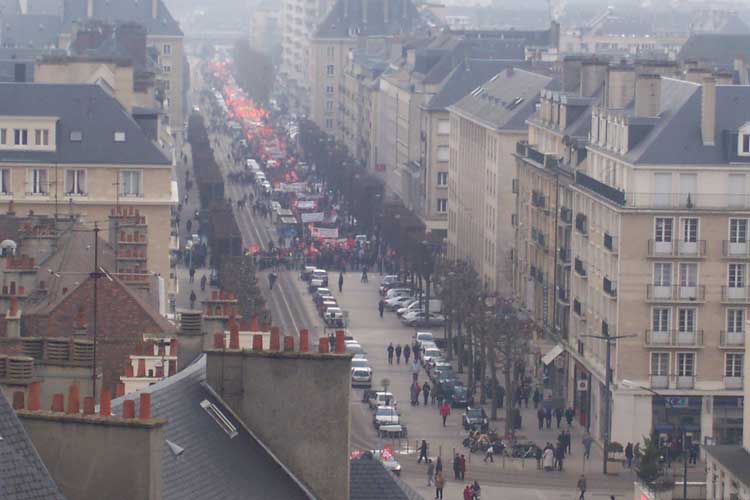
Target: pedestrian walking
[[364, 276], [558, 415], [488, 454], [422, 452], [582, 487], [398, 354], [189, 225], [569, 414], [587, 440], [538, 455], [425, 392], [445, 410], [540, 417], [415, 368], [462, 462], [548, 459], [438, 465], [192, 299], [439, 483], [438, 393], [390, 353], [417, 390], [629, 455], [430, 472], [381, 307], [341, 282], [500, 395], [203, 283], [191, 272], [468, 493], [548, 416], [537, 397], [694, 450], [559, 456], [476, 491], [407, 353], [566, 441], [457, 467]]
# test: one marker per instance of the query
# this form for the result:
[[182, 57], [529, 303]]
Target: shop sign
[[582, 385]]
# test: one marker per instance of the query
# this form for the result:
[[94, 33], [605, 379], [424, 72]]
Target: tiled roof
[[369, 480], [212, 465], [36, 31], [23, 475], [347, 18], [506, 100], [79, 107], [120, 11]]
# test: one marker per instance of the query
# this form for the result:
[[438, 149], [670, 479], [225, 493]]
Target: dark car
[[475, 418], [460, 397], [447, 383]]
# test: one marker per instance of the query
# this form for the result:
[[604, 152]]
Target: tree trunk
[[508, 370], [448, 335], [483, 368], [470, 344], [460, 348], [493, 374]]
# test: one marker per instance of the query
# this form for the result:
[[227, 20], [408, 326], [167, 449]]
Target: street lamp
[[633, 385], [608, 382]]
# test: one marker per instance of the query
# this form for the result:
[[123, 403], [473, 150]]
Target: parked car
[[322, 275], [420, 319], [360, 363], [414, 305], [395, 302], [384, 289], [325, 305], [306, 273], [354, 348], [385, 415], [395, 292], [475, 418], [334, 317], [431, 353], [381, 398], [460, 397], [361, 376], [437, 366], [388, 460], [314, 285], [424, 336]]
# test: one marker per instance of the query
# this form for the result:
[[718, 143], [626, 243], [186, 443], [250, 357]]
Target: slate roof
[[212, 466], [36, 31], [346, 18], [715, 49], [676, 135], [464, 78], [52, 7], [493, 106], [87, 108], [734, 458], [369, 480], [119, 11], [23, 475]]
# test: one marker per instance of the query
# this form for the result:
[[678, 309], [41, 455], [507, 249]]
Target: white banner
[[295, 187], [306, 204], [312, 217], [325, 232]]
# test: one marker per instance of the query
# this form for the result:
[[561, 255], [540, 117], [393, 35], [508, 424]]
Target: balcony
[[609, 287], [672, 201], [675, 293], [566, 215], [735, 295], [531, 153], [563, 255], [674, 338], [732, 382], [677, 249], [684, 381], [539, 238], [609, 242], [581, 224], [578, 308], [538, 200], [735, 250], [580, 269], [616, 196], [563, 296], [659, 381], [732, 340]]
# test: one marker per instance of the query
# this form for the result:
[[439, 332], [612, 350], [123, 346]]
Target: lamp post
[[683, 435], [608, 382]]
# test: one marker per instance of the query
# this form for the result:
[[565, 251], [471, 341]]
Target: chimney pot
[[647, 95], [34, 396], [257, 342], [105, 403], [254, 323], [218, 341], [234, 334], [18, 403], [128, 408], [172, 367], [120, 389], [275, 339], [304, 340], [88, 405], [288, 343], [214, 294], [708, 111], [340, 343], [74, 406], [141, 367], [129, 370], [58, 402], [323, 345], [145, 407]]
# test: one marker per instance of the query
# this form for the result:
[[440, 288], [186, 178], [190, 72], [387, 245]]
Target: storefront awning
[[552, 354]]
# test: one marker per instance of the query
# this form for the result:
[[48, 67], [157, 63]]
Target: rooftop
[[122, 11], [734, 458], [715, 49], [387, 17]]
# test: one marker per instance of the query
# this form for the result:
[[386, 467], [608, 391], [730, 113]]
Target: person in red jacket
[[445, 410], [468, 494]]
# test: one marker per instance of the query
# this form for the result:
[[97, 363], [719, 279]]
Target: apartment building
[[73, 150], [348, 25], [485, 127], [163, 35], [556, 145], [660, 208], [298, 21]]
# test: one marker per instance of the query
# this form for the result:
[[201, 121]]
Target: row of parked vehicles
[[259, 176], [325, 303], [409, 304]]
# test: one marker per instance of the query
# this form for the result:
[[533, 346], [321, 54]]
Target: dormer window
[[743, 140], [119, 136], [20, 136], [76, 136]]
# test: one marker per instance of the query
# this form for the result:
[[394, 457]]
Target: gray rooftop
[[121, 11], [734, 458], [676, 136], [79, 107], [715, 49], [506, 100], [369, 480], [386, 17], [464, 78], [23, 475], [37, 31], [213, 465]]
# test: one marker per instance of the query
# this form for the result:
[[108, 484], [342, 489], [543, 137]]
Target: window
[[686, 319], [41, 137], [744, 145], [329, 89], [76, 136], [686, 364], [167, 49], [38, 181], [5, 181], [738, 230], [20, 136], [130, 183], [3, 136], [119, 136], [660, 319], [329, 123], [167, 68], [444, 127], [442, 205], [688, 274], [443, 153], [690, 230], [330, 51], [663, 230], [75, 182], [733, 364], [662, 274], [735, 320], [166, 84], [442, 178], [736, 275], [660, 364], [329, 70], [329, 105]]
